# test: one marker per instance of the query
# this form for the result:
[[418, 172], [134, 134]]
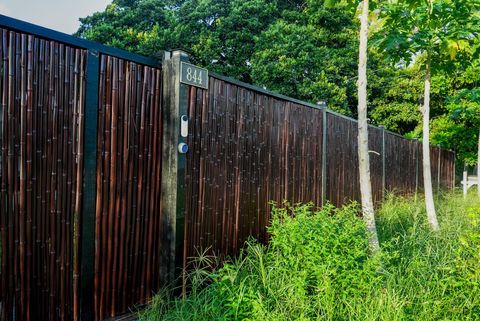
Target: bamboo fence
[[42, 89], [83, 228], [250, 147]]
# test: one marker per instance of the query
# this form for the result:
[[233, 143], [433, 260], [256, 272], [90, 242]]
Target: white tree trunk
[[363, 157], [478, 166], [427, 174]]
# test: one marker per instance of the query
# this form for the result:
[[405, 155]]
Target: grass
[[317, 267]]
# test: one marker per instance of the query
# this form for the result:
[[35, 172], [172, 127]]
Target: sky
[[60, 15]]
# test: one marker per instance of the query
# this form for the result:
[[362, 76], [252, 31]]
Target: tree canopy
[[308, 50]]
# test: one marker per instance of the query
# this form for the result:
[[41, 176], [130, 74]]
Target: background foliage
[[308, 50]]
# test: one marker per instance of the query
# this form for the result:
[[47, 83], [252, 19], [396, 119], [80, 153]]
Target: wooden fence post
[[324, 156], [87, 255], [454, 170], [384, 158], [173, 162], [439, 173], [417, 158]]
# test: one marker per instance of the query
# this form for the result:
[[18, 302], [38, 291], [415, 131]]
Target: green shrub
[[317, 267]]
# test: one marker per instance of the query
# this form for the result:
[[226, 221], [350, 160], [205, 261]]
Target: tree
[[301, 48], [394, 101], [310, 55], [218, 34], [439, 32], [461, 126], [455, 128], [141, 26], [363, 157], [368, 211]]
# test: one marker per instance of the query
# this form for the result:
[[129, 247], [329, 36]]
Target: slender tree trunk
[[363, 157], [478, 166], [427, 174]]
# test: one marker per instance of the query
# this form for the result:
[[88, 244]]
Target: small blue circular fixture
[[182, 148]]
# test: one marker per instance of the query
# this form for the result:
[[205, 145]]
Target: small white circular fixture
[[184, 126]]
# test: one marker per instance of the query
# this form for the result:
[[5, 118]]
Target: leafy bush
[[317, 267], [316, 262]]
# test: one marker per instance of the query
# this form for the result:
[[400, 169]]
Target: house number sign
[[193, 75]]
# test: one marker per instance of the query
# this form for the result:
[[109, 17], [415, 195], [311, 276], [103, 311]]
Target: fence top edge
[[49, 34], [265, 91], [303, 103]]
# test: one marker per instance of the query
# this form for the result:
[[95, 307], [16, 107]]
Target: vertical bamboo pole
[[28, 167], [53, 109], [36, 264], [126, 214], [146, 181], [147, 279], [60, 195], [80, 102], [118, 236], [132, 178], [157, 132], [139, 215], [23, 311], [99, 191], [3, 176], [43, 183], [102, 255], [10, 169], [110, 275]]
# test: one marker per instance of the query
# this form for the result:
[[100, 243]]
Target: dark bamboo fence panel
[[42, 90], [401, 157], [246, 149], [447, 170], [434, 163], [129, 231], [375, 142], [342, 160], [419, 151]]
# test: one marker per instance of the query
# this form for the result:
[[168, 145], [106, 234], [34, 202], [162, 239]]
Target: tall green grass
[[317, 267]]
